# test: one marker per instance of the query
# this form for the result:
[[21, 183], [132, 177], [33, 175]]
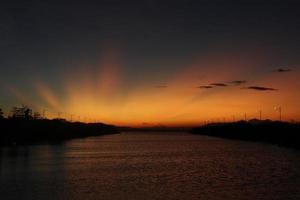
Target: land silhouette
[[24, 126], [267, 131]]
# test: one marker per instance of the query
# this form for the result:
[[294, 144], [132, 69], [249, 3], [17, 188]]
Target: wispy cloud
[[205, 87], [238, 82], [161, 86], [259, 88], [280, 70], [219, 84]]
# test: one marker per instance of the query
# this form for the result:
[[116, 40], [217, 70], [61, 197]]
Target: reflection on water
[[150, 166]]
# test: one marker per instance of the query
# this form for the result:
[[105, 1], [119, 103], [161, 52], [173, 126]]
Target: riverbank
[[21, 131], [273, 132]]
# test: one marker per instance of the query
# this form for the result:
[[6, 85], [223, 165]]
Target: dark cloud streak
[[238, 82], [281, 70], [205, 87], [219, 84], [259, 88]]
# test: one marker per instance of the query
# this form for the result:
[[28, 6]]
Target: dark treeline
[[273, 132], [23, 126]]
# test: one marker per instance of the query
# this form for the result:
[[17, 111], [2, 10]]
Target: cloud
[[219, 84], [280, 70], [205, 87], [259, 88], [161, 86], [238, 82]]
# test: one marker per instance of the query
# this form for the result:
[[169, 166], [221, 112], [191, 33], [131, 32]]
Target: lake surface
[[157, 165]]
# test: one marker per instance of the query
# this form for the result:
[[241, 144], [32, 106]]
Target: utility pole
[[279, 110], [260, 114], [280, 113], [44, 113]]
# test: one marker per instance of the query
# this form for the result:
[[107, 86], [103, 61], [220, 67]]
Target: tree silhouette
[[23, 112], [1, 114], [37, 115]]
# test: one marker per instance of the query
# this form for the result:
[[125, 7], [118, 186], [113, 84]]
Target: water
[[150, 166]]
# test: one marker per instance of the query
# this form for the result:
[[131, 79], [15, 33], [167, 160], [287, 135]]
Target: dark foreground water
[[150, 166]]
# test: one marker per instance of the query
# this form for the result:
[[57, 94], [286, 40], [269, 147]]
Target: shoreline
[[265, 131], [41, 131]]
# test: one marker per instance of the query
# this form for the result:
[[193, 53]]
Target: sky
[[151, 62]]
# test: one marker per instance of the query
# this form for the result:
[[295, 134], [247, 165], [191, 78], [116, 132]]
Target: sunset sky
[[151, 62]]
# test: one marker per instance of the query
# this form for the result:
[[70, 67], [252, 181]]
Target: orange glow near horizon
[[99, 95]]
